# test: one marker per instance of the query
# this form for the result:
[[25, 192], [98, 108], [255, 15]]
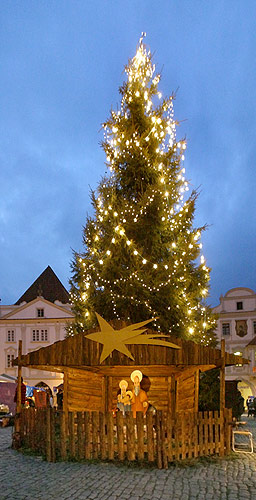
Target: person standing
[[139, 397]]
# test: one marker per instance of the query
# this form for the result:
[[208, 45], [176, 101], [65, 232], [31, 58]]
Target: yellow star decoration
[[116, 339]]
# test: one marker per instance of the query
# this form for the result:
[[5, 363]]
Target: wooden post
[[48, 435], [18, 401], [222, 376], [63, 436], [120, 435], [150, 436], [196, 390], [140, 435], [173, 395], [158, 438]]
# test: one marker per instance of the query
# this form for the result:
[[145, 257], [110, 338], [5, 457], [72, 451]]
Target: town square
[[127, 227]]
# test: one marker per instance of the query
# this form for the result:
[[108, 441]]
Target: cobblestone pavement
[[26, 477]]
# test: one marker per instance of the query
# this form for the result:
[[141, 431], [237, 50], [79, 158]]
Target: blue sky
[[61, 65]]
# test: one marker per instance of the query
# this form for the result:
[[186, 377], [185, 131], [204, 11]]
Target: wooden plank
[[120, 435], [196, 390], [130, 433], [80, 435], [71, 433], [196, 434], [169, 436], [164, 440], [110, 433], [109, 381], [140, 435], [53, 440], [222, 376], [63, 436], [183, 437], [211, 443], [216, 431], [48, 435], [176, 437], [206, 433], [200, 434], [95, 434], [87, 435], [150, 436], [158, 439], [222, 434], [103, 436], [18, 402]]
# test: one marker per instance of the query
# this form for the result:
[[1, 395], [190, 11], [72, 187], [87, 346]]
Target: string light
[[118, 217]]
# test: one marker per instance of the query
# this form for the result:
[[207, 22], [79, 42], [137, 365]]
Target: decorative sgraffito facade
[[237, 325]]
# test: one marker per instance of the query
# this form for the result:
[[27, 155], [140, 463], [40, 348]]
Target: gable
[[30, 311]]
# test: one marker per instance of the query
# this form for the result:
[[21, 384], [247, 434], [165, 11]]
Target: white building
[[237, 325], [38, 318]]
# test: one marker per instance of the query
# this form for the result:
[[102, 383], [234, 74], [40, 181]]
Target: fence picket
[[100, 435]]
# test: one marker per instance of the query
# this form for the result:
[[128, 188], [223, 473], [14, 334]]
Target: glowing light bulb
[[144, 261]]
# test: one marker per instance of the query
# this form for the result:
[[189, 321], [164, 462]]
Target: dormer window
[[239, 306], [40, 313]]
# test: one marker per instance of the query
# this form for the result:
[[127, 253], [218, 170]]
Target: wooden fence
[[155, 438]]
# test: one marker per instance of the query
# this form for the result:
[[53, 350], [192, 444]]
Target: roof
[[48, 286], [81, 352]]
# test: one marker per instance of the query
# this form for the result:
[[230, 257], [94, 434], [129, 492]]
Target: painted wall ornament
[[124, 398], [118, 339], [139, 397]]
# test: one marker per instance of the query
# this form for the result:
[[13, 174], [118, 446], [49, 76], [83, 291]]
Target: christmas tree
[[142, 256]]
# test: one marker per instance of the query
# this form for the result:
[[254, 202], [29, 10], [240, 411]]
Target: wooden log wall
[[99, 435], [186, 392], [84, 390], [78, 351]]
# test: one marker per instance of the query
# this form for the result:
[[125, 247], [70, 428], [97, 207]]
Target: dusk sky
[[61, 65]]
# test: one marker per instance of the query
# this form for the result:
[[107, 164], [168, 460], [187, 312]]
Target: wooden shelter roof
[[80, 352]]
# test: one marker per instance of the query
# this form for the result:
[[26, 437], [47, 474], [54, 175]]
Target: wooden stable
[[170, 378]]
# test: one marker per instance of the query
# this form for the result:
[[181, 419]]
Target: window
[[44, 335], [40, 313], [254, 327], [10, 335], [9, 359], [39, 335], [225, 328], [239, 306]]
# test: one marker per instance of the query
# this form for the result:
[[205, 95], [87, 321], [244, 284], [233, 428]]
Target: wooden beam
[[18, 400], [222, 376], [196, 390]]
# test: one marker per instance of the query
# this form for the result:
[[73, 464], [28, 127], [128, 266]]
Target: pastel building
[[38, 318], [237, 325]]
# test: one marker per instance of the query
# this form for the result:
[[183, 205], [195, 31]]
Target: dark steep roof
[[48, 286]]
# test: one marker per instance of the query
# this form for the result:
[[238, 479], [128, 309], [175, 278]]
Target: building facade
[[38, 318], [237, 325]]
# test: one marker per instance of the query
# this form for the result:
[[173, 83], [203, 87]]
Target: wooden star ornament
[[117, 339]]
